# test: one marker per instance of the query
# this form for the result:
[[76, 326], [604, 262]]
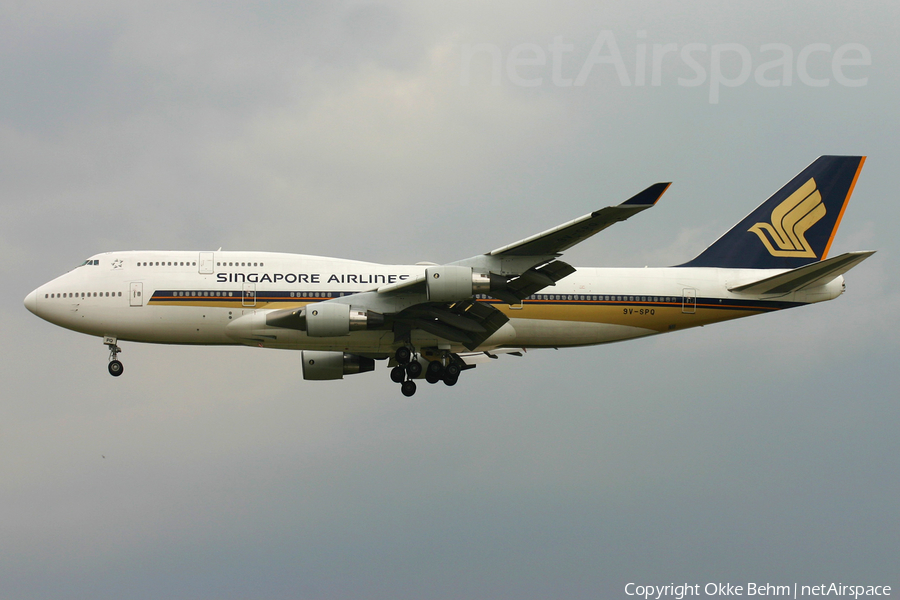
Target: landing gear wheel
[[450, 379], [115, 368], [434, 372], [403, 355], [408, 388], [452, 370], [398, 374], [414, 369]]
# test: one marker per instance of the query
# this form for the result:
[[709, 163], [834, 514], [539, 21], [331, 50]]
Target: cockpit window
[[90, 261]]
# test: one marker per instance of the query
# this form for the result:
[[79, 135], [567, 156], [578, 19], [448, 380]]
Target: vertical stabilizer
[[795, 226]]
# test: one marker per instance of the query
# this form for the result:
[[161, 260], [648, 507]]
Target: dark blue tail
[[795, 226]]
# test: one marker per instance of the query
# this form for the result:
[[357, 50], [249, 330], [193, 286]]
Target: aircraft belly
[[368, 342], [578, 324], [168, 325], [550, 333]]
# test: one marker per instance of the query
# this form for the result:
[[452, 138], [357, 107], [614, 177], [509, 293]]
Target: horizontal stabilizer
[[554, 241], [806, 276]]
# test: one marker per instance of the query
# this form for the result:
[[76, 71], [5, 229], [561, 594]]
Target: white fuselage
[[216, 298]]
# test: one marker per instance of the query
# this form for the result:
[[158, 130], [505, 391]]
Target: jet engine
[[321, 365], [452, 283], [329, 319]]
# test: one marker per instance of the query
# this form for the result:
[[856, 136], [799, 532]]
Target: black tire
[[435, 368], [398, 374], [431, 377], [414, 369], [408, 388], [402, 355], [452, 370], [115, 368], [450, 379]]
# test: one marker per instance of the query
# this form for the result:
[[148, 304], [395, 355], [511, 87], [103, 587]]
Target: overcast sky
[[761, 450]]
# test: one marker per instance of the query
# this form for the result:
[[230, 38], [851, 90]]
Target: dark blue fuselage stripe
[[204, 296]]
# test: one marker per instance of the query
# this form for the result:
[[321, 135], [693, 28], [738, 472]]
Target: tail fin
[[795, 226]]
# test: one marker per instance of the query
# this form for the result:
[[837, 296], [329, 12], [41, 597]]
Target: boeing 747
[[431, 321]]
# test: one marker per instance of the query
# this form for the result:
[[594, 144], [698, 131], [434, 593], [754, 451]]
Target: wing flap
[[469, 323], [474, 358]]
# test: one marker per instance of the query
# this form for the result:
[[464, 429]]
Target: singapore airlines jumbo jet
[[433, 321]]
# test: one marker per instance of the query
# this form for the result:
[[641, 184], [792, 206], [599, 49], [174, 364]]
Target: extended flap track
[[469, 322]]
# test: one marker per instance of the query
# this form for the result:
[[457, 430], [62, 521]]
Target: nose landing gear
[[115, 367]]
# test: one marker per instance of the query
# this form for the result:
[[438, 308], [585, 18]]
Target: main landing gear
[[115, 366], [443, 367]]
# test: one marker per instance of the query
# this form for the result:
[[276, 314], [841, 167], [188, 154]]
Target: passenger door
[[136, 294], [249, 295], [689, 301], [205, 263]]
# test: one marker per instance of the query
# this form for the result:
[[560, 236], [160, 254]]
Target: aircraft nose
[[31, 301]]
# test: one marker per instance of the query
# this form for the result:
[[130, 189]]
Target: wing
[[465, 322], [523, 268], [554, 241], [443, 300], [531, 259]]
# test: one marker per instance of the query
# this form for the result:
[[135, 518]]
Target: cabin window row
[[84, 295], [232, 294], [239, 264], [204, 294], [315, 295], [167, 264], [594, 298]]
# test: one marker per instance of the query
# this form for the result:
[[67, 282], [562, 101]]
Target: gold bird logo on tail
[[790, 221]]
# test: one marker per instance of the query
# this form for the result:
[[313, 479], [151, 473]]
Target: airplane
[[431, 321]]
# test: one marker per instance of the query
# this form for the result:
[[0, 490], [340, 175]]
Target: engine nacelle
[[330, 319], [324, 365], [453, 283]]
